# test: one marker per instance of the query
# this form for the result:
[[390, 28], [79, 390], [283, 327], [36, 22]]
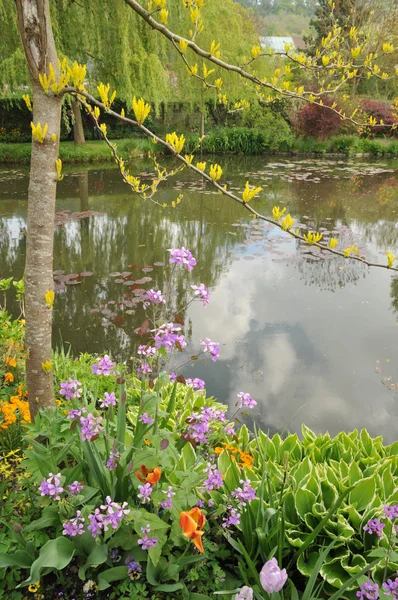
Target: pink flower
[[272, 578]]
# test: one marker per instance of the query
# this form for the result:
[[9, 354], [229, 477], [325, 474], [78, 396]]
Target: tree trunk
[[37, 38], [78, 131]]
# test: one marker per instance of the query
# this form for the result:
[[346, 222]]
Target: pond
[[313, 339]]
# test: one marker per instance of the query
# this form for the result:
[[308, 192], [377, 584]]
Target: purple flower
[[134, 568], [74, 526], [111, 463], [182, 256], [90, 427], [230, 429], [114, 513], [50, 487], [200, 503], [232, 519], [272, 578], [374, 526], [391, 512], [96, 523], [147, 351], [155, 297], [110, 400], [71, 388], [201, 292], [196, 383], [214, 479], [145, 418], [368, 591], [212, 347], [173, 377], [245, 593], [391, 588], [144, 369], [200, 424], [75, 487], [75, 413], [103, 366], [145, 492], [246, 400], [167, 336], [245, 493]]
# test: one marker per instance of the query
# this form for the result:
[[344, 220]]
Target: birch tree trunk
[[34, 25]]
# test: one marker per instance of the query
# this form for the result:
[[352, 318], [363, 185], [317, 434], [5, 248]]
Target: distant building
[[277, 43]]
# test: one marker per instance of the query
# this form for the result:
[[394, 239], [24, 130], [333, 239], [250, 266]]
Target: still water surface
[[313, 339]]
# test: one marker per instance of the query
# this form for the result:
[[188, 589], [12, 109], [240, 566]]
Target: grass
[[92, 151], [220, 141]]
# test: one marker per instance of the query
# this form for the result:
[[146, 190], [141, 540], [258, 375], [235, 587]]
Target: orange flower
[[10, 361], [151, 476], [192, 523], [8, 377]]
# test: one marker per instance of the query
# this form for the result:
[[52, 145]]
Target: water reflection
[[301, 332]]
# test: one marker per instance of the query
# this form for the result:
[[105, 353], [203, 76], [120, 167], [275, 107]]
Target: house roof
[[277, 43]]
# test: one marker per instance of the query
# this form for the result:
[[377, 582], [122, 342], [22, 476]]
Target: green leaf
[[55, 554], [114, 574], [362, 494], [168, 587], [121, 415], [49, 518], [355, 473], [353, 580], [304, 501], [97, 557], [189, 456], [18, 559]]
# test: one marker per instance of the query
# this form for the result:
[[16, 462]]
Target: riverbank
[[219, 141]]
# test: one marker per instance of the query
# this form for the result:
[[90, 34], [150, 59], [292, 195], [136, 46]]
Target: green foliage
[[242, 140]]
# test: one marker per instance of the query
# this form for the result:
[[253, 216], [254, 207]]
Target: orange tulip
[[192, 523], [151, 476]]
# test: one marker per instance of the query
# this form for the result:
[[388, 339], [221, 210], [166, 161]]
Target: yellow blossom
[[54, 137], [249, 193], [325, 60], [103, 129], [159, 3], [78, 74], [38, 133], [287, 223], [47, 366], [195, 14], [96, 112], [193, 70], [164, 15], [218, 83], [215, 49], [141, 109], [312, 237], [277, 213], [176, 142], [255, 51], [355, 52], [189, 158], [28, 103], [183, 44], [122, 113], [49, 298], [351, 250], [206, 73], [333, 242], [215, 172], [58, 166], [388, 48], [201, 166], [390, 259], [103, 91]]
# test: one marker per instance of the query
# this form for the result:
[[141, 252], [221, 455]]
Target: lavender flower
[[200, 503], [232, 519], [214, 479], [144, 369], [167, 336], [155, 297], [246, 400], [212, 347], [173, 377], [71, 388], [145, 493], [201, 292], [103, 366], [200, 423], [76, 413], [196, 383], [245, 493], [183, 257], [391, 512], [245, 593], [114, 513], [75, 487], [145, 418], [96, 523], [272, 578], [368, 591], [51, 486], [391, 588], [74, 526], [90, 427], [109, 400], [230, 429], [111, 463], [148, 352], [146, 542], [374, 526]]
